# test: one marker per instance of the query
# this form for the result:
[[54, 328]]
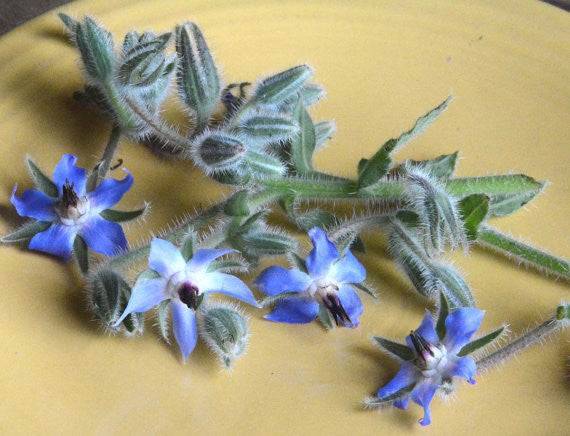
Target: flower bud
[[218, 151], [224, 329]]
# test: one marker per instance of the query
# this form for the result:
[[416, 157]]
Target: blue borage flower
[[74, 212], [183, 284], [433, 360], [327, 283]]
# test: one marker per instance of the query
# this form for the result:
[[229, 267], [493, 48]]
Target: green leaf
[[473, 209], [399, 350], [365, 289], [162, 315], [187, 249], [506, 204], [81, 254], [198, 80], [325, 317], [481, 342], [358, 245], [563, 312], [303, 144], [274, 299], [277, 88], [26, 232], [443, 312], [441, 167], [492, 185], [119, 216], [323, 132], [41, 181], [379, 402]]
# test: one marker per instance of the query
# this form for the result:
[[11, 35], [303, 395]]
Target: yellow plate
[[383, 63]]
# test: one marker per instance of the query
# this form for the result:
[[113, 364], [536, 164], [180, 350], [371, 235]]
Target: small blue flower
[[182, 283], [327, 283], [74, 212], [436, 361]]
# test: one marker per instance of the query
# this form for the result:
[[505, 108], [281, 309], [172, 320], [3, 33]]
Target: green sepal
[[297, 261], [563, 312], [274, 299], [442, 167], [473, 209], [262, 164], [401, 351], [267, 244], [365, 289], [275, 89], [147, 274], [81, 254], [316, 218], [69, 22], [188, 245], [456, 289], [310, 93], [231, 266], [303, 144], [237, 204], [325, 317], [95, 45], [358, 246], [106, 296], [26, 232], [219, 151], [379, 402], [267, 128], [162, 316], [120, 216], [323, 132], [506, 204], [442, 315], [197, 76], [475, 345], [41, 181]]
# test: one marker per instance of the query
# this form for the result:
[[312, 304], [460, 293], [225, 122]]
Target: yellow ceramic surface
[[383, 63]]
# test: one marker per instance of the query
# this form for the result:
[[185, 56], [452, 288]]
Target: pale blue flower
[[183, 283], [74, 212], [326, 282], [436, 360]]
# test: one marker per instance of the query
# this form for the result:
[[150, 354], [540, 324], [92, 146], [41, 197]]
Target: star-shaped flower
[[326, 283], [432, 359], [74, 211], [184, 284]]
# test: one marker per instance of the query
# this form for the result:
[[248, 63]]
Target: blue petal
[[407, 375], [165, 258], [294, 311], [66, 170], [351, 303], [323, 254], [427, 330], [402, 404], [203, 258], [184, 326], [109, 192], [276, 280], [464, 367], [348, 270], [57, 240], [144, 296], [104, 236], [422, 395], [228, 285], [34, 204], [460, 326]]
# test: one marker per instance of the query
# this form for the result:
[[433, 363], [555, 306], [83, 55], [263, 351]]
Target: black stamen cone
[[188, 294], [420, 344], [334, 306], [69, 198]]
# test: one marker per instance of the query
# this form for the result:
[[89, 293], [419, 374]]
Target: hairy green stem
[[538, 334], [493, 239]]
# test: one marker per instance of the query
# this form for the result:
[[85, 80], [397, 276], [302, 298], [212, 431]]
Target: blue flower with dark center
[[183, 284], [326, 283], [74, 212], [435, 360]]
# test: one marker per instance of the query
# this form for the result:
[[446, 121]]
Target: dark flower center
[[334, 306], [69, 197], [188, 294]]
